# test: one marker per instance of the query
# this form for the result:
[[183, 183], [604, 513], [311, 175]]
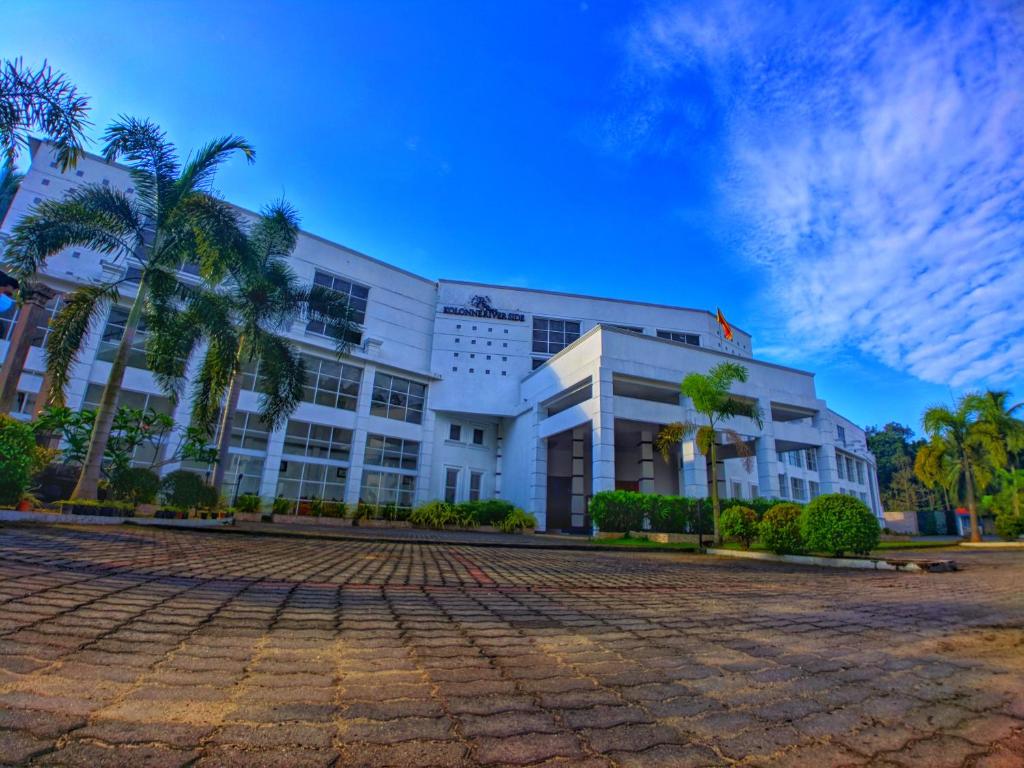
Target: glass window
[[112, 334], [244, 475], [815, 492], [478, 437], [146, 454], [841, 434], [851, 474], [538, 362], [753, 491], [307, 480], [357, 296], [7, 321], [388, 488], [398, 398], [798, 488], [392, 452], [455, 432], [840, 467], [317, 441], [737, 490], [249, 431], [812, 459], [860, 472], [551, 336], [683, 338], [783, 489], [451, 484], [331, 383], [476, 480]]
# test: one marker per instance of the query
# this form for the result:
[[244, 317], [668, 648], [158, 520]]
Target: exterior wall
[[479, 373]]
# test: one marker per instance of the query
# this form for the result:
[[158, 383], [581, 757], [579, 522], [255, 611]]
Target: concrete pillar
[[695, 470], [578, 507], [537, 473], [603, 436], [499, 449], [272, 466], [423, 490], [32, 315], [768, 467], [828, 474], [646, 460], [354, 480]]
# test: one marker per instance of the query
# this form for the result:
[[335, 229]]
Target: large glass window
[[860, 472], [551, 336], [683, 338], [812, 458], [331, 383], [244, 475], [381, 488], [356, 294], [111, 339], [249, 431], [398, 398], [476, 481], [392, 452], [7, 321], [451, 484], [307, 480], [317, 441], [840, 466], [147, 454], [798, 488]]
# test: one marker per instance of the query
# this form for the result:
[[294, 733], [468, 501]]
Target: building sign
[[480, 306]]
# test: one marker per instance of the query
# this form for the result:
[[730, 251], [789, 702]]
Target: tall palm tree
[[170, 220], [711, 397], [961, 452], [10, 181], [244, 320], [995, 410], [41, 100]]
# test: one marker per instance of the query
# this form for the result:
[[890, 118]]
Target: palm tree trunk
[[972, 504], [227, 420], [716, 506], [88, 481]]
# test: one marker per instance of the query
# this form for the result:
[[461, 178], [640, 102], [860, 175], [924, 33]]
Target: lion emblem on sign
[[483, 303]]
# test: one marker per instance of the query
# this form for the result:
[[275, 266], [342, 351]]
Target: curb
[[860, 563], [47, 518], [993, 544]]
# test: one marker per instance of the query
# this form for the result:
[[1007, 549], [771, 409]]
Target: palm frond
[[743, 449], [10, 182], [276, 232], [673, 434], [93, 216], [206, 230], [77, 316], [200, 167], [282, 377], [332, 309], [152, 160], [212, 382]]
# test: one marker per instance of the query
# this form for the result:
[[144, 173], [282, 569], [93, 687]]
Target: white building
[[460, 390]]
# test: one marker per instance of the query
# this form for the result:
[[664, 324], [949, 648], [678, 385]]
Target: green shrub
[[1009, 526], [434, 514], [316, 506], [135, 484], [516, 521], [739, 523], [187, 490], [20, 459], [335, 509], [248, 503], [282, 506], [484, 512], [780, 529], [621, 511], [837, 523]]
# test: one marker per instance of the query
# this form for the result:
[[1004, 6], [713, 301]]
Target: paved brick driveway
[[152, 647]]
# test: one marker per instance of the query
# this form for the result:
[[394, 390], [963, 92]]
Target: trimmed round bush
[[739, 523], [837, 524], [187, 490], [780, 529], [1009, 526], [137, 485]]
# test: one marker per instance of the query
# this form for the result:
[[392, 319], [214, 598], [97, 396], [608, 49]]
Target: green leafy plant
[[1009, 525], [837, 524], [137, 485], [248, 503], [780, 529], [316, 506], [434, 514], [620, 511], [187, 491], [282, 506], [739, 523], [20, 459], [484, 511], [516, 521]]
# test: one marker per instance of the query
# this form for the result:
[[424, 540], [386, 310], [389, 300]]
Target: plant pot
[[24, 506]]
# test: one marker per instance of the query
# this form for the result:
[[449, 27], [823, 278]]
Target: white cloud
[[875, 158]]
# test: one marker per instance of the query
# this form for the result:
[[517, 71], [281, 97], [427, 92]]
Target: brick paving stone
[[139, 646]]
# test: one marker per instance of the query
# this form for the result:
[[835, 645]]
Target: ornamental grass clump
[[780, 529], [837, 524], [739, 523]]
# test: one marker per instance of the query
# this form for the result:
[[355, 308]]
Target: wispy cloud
[[875, 160]]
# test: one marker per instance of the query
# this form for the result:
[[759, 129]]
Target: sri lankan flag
[[726, 328]]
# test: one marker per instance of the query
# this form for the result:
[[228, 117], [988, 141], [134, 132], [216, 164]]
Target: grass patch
[[628, 543], [914, 545]]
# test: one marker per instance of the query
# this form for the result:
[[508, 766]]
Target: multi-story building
[[458, 390]]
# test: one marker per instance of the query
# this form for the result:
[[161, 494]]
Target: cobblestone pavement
[[144, 647]]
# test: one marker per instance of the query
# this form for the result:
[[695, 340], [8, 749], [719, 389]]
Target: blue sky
[[846, 181]]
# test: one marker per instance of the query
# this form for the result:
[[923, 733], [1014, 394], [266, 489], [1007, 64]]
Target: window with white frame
[[398, 398], [392, 452], [146, 454], [455, 432], [476, 480], [244, 475], [841, 434], [551, 336], [840, 466], [798, 487], [451, 484], [683, 338], [301, 480], [851, 473], [795, 458], [783, 489], [478, 437], [737, 490], [395, 482], [317, 441], [812, 459], [860, 472], [382, 488], [815, 491], [331, 383], [249, 431], [117, 320], [357, 296]]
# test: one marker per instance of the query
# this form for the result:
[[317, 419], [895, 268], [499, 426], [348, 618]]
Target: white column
[[578, 504], [767, 467], [538, 473], [827, 471], [646, 461], [603, 437], [423, 489], [695, 470], [272, 465], [354, 480]]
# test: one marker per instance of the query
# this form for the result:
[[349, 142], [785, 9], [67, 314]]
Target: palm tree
[[995, 411], [10, 181], [243, 320], [170, 220], [41, 100], [712, 399], [961, 452]]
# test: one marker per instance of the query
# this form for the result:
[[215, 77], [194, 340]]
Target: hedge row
[[620, 511]]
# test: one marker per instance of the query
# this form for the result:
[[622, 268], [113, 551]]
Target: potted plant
[[27, 502]]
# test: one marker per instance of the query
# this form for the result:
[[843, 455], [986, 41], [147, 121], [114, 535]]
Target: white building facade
[[457, 391]]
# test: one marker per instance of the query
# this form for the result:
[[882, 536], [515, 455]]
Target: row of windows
[[398, 398], [317, 441], [451, 484], [850, 469], [799, 457], [551, 336], [455, 434], [357, 296]]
